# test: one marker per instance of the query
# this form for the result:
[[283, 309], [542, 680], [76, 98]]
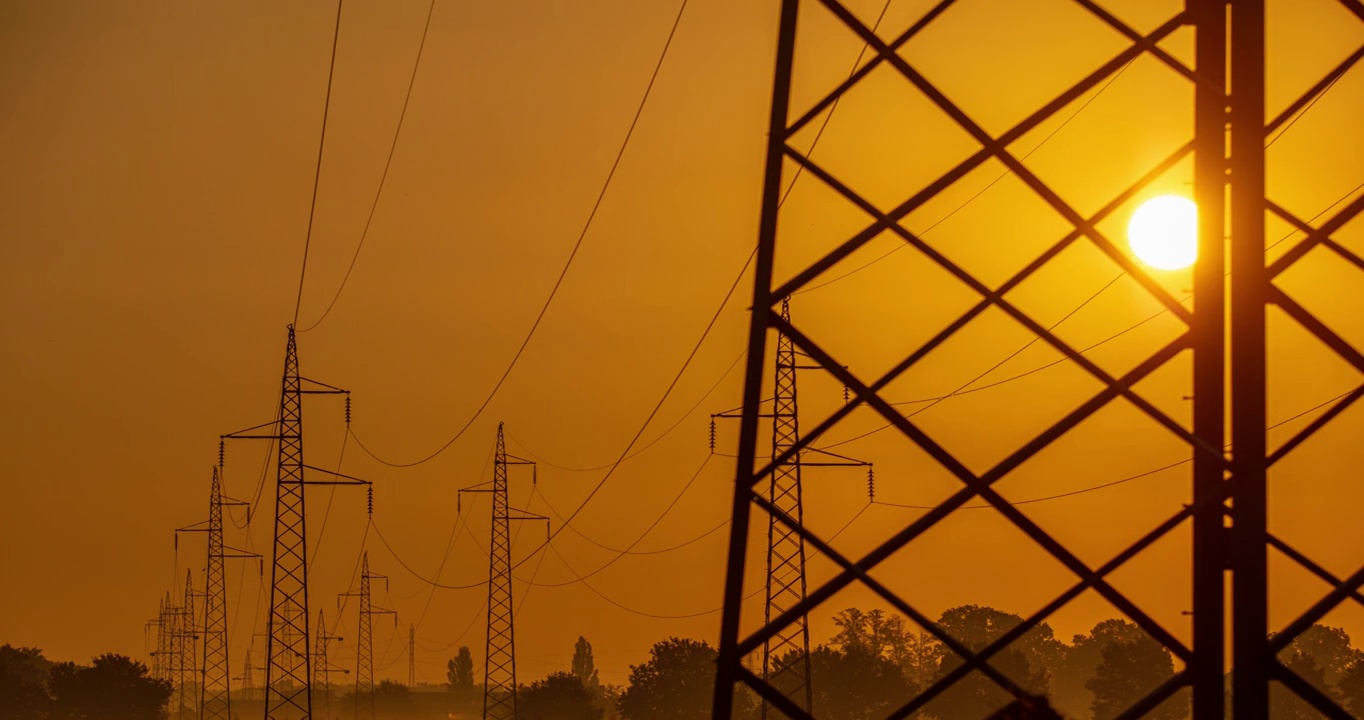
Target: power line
[[430, 10], [317, 174], [1121, 481], [582, 235]]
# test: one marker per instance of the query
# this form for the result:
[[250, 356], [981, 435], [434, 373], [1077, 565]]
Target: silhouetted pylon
[[411, 656], [499, 669], [364, 655], [184, 646], [322, 668], [216, 683]]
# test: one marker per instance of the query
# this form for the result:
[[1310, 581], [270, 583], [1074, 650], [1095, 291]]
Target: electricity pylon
[[215, 683], [364, 654], [786, 655], [158, 656], [499, 664], [1226, 507], [288, 667], [322, 668], [411, 657], [184, 644], [247, 677]]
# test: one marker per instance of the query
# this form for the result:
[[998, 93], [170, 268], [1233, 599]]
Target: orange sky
[[158, 168]]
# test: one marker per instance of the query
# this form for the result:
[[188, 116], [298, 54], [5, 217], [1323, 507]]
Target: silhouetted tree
[[1128, 671], [1025, 662], [583, 665], [855, 684], [1324, 657], [916, 654], [459, 671], [1070, 692], [676, 683], [392, 699], [113, 687], [23, 684], [560, 696]]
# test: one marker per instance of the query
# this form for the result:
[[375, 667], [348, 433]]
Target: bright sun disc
[[1163, 232]]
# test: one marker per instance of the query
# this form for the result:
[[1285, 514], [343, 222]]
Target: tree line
[[869, 667]]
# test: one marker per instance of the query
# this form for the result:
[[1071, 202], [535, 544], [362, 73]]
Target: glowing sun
[[1163, 232]]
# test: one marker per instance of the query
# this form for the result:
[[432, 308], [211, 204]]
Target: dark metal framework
[[288, 668], [322, 668], [1229, 505], [215, 683], [184, 639], [364, 653], [499, 663]]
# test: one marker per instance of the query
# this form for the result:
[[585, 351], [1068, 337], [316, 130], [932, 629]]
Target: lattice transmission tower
[[1225, 509], [499, 669], [158, 653], [215, 683], [288, 667], [322, 667], [785, 661], [411, 656], [184, 643], [364, 644]]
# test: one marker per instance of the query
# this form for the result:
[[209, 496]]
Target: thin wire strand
[[317, 174], [407, 98], [582, 235]]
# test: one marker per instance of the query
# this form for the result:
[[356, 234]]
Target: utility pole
[[364, 656], [785, 585], [288, 667], [499, 668], [322, 668], [216, 684], [411, 657]]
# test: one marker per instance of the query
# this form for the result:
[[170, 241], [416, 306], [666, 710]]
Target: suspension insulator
[[369, 492], [222, 451], [347, 409], [712, 434], [871, 483], [845, 395]]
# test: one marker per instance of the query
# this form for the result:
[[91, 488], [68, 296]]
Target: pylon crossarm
[[243, 433], [344, 479], [483, 487], [1308, 692], [324, 387]]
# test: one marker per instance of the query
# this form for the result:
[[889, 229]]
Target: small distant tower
[[364, 656], [411, 657]]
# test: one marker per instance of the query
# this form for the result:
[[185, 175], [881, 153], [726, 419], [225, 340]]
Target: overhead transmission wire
[[383, 177], [317, 173], [568, 263], [1127, 479]]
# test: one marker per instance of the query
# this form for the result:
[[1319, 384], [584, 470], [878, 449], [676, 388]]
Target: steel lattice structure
[[499, 669], [183, 645], [364, 653], [288, 669], [322, 668], [785, 587], [1227, 513]]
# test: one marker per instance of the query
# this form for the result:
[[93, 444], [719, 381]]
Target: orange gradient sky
[[158, 164]]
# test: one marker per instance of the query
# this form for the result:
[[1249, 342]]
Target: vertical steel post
[[1209, 331], [730, 660], [1249, 551]]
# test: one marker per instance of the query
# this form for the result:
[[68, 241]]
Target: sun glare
[[1163, 232]]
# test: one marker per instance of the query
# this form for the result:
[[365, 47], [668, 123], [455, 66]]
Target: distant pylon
[[790, 647], [184, 646], [411, 656], [159, 654], [322, 668], [499, 669], [364, 644], [216, 684], [247, 678]]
